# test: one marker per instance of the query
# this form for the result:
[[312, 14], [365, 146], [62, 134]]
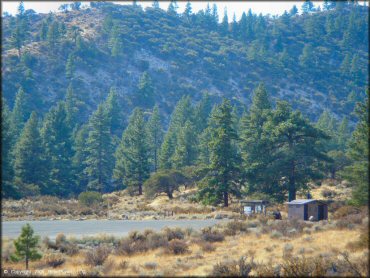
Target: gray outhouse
[[308, 209]]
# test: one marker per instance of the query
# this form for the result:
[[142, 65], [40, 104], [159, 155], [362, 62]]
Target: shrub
[[212, 236], [123, 265], [233, 227], [176, 233], [150, 265], [97, 256], [241, 268], [60, 239], [177, 247], [157, 240], [345, 211], [207, 246], [54, 260], [276, 234], [327, 193], [90, 198]]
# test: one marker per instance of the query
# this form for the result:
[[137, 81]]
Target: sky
[[237, 7]]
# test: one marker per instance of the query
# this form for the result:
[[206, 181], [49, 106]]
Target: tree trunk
[[140, 189], [169, 194], [292, 189], [226, 199]]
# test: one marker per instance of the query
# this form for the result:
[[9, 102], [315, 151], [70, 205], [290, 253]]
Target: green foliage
[[99, 148], [223, 178], [90, 198], [29, 164], [57, 145], [155, 137], [132, 154], [26, 246], [166, 181], [358, 152]]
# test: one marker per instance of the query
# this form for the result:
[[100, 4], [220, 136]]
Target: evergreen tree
[[7, 144], [188, 11], [346, 65], [202, 112], [307, 7], [172, 8], [26, 246], [186, 148], [56, 135], [71, 107], [114, 112], [29, 175], [145, 92], [224, 169], [155, 137], [293, 11], [155, 4], [307, 60], [167, 150], [132, 155], [256, 146], [20, 112], [358, 152], [100, 160], [225, 24], [80, 158], [53, 34], [43, 31], [70, 66], [295, 148]]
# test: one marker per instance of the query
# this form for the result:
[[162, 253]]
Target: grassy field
[[259, 246]]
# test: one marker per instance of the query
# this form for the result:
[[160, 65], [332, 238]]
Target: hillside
[[316, 61]]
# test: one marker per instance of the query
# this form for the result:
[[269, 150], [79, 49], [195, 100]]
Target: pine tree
[[100, 160], [114, 112], [155, 4], [71, 106], [307, 59], [145, 92], [358, 152], [132, 155], [53, 34], [295, 150], [256, 146], [188, 11], [7, 144], [155, 137], [80, 158], [29, 164], [26, 246], [186, 148], [293, 11], [224, 169], [20, 112], [346, 65], [225, 24], [167, 150], [307, 7], [56, 135], [202, 112], [70, 66]]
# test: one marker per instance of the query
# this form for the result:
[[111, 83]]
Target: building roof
[[303, 201], [254, 201]]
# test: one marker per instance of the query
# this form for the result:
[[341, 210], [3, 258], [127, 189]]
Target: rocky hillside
[[316, 60]]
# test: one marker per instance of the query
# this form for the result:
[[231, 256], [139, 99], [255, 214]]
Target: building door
[[320, 215], [305, 212]]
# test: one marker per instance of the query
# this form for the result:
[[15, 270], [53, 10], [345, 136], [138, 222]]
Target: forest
[[154, 136]]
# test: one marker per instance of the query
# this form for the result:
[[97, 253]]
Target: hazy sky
[[237, 7]]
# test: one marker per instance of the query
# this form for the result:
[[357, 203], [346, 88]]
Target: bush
[[345, 211], [207, 246], [176, 233], [54, 260], [97, 256], [233, 227], [177, 247], [240, 268], [212, 236], [327, 193], [60, 239], [90, 198]]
